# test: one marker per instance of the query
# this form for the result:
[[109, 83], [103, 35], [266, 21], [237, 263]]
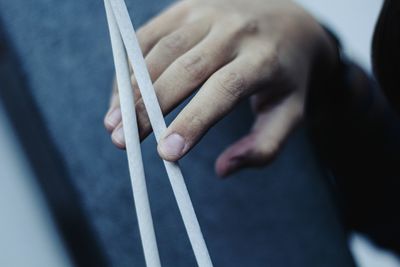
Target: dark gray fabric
[[282, 215]]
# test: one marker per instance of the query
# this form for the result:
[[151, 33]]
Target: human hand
[[264, 50]]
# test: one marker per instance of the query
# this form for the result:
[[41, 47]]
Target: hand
[[264, 50]]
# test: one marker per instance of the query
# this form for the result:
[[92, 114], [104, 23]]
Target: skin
[[261, 50]]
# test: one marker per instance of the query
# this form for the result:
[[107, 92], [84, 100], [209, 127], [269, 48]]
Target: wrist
[[328, 77], [330, 62], [337, 85]]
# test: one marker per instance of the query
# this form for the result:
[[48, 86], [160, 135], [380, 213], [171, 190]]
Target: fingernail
[[113, 118], [172, 146], [118, 136]]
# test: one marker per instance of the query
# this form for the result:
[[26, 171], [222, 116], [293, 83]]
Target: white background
[[352, 20]]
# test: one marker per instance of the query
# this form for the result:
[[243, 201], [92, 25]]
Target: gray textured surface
[[278, 216]]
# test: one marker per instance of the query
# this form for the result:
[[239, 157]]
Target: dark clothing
[[357, 134], [386, 52], [282, 215]]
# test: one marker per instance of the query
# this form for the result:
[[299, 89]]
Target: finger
[[174, 45], [261, 146], [113, 116], [118, 137], [188, 72], [171, 47], [214, 100], [160, 57], [148, 36], [114, 94], [161, 25]]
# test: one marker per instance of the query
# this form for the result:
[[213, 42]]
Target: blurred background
[[65, 198]]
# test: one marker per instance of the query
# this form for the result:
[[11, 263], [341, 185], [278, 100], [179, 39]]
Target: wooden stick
[[158, 124], [133, 150]]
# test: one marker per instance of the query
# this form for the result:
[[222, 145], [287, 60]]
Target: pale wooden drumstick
[[158, 124], [133, 150]]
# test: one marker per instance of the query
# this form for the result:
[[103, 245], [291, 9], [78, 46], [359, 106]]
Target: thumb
[[263, 143]]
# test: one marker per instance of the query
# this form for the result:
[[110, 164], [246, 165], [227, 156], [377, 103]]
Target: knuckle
[[250, 26], [273, 62], [197, 123], [268, 63], [194, 66], [232, 85], [197, 126], [144, 41], [174, 42], [267, 153], [191, 126], [203, 12], [271, 151], [241, 25]]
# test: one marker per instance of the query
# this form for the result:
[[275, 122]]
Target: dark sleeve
[[357, 135]]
